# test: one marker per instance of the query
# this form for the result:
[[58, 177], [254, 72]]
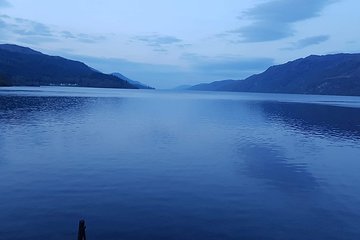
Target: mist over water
[[178, 165]]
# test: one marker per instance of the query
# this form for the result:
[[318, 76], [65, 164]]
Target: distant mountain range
[[336, 74], [181, 87], [21, 66], [135, 83]]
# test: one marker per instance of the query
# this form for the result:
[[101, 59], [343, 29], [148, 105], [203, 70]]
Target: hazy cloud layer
[[158, 42], [273, 20], [26, 27], [28, 31], [86, 38], [4, 3], [306, 42], [24, 30]]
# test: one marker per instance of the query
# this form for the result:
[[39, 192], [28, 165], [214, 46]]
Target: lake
[[140, 164]]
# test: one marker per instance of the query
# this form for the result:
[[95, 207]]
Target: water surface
[[178, 165]]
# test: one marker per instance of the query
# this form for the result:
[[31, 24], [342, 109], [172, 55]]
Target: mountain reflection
[[27, 110], [37, 103], [269, 163], [316, 119]]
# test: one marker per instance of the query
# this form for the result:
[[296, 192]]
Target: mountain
[[214, 86], [21, 66], [18, 49], [336, 74], [182, 87], [135, 83]]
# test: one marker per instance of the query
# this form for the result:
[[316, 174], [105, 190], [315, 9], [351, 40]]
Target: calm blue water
[[178, 165]]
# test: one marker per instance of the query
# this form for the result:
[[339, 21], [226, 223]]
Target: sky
[[167, 43]]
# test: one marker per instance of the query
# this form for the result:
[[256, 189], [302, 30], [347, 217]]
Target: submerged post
[[81, 232]]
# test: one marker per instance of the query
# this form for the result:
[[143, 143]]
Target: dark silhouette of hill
[[21, 66], [214, 86], [336, 74], [138, 84]]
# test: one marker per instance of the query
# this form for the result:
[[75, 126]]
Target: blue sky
[[167, 43]]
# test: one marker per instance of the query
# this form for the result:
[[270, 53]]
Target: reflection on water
[[316, 119], [24, 110], [178, 165], [265, 161]]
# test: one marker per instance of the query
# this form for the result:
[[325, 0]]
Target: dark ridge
[[21, 66], [336, 74]]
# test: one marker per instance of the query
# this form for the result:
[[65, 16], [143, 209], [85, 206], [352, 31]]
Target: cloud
[[25, 31], [67, 34], [160, 50], [4, 3], [274, 20], [159, 42], [306, 42], [287, 10], [30, 28], [3, 33], [86, 38], [28, 31], [35, 40], [3, 24], [264, 31]]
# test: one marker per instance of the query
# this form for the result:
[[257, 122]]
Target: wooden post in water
[[81, 232]]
